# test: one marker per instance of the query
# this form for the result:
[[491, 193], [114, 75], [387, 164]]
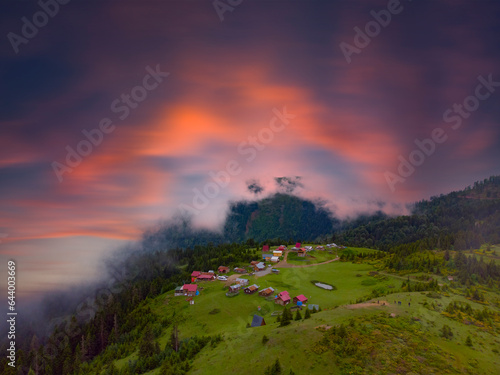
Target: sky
[[115, 115]]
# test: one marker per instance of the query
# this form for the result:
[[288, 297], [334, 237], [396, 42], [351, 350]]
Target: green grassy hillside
[[375, 343]]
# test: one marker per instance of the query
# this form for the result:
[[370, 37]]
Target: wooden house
[[190, 289], [283, 298], [266, 292], [240, 270], [302, 252], [260, 266], [205, 277], [251, 289], [223, 269], [300, 298], [178, 291], [277, 253]]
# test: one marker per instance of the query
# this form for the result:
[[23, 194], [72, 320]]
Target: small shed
[[258, 321], [234, 288]]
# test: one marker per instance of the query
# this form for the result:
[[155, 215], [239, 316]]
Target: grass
[[242, 351]]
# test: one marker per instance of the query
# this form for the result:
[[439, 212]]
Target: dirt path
[[367, 304], [284, 264]]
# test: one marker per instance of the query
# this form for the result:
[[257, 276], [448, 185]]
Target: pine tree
[[265, 339], [297, 315], [277, 367], [308, 314]]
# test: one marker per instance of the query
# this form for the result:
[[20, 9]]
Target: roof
[[196, 273], [253, 287], [178, 288], [268, 290], [301, 298], [298, 244], [277, 251], [240, 280], [223, 268], [257, 321], [275, 259], [265, 248], [261, 265], [190, 287], [284, 296], [267, 255], [205, 277]]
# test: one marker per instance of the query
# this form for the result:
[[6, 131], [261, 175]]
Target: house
[[178, 291], [450, 278], [258, 321], [320, 248], [275, 259], [240, 270], [259, 266], [277, 253], [266, 292], [302, 298], [223, 269], [298, 245], [242, 281], [190, 289], [282, 248], [266, 256], [265, 248], [251, 289], [234, 288], [194, 275], [205, 277], [294, 248], [283, 298], [309, 248], [302, 252], [254, 262]]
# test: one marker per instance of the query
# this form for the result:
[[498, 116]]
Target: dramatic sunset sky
[[227, 80]]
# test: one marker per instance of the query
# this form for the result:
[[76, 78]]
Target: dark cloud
[[254, 186], [288, 184]]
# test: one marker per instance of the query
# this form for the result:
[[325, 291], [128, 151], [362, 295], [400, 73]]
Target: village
[[269, 264]]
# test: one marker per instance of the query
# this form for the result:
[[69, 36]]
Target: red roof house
[[298, 245], [265, 248], [205, 277], [302, 298], [194, 275], [223, 269], [283, 298], [189, 289]]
